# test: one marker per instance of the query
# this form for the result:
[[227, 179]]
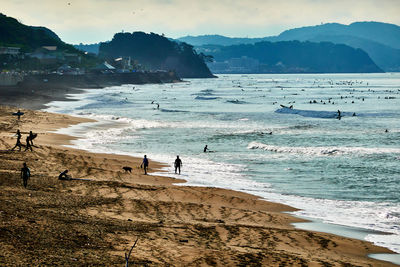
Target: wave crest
[[322, 151]]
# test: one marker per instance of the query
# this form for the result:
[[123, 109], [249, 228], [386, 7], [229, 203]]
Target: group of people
[[26, 173], [29, 141], [177, 164]]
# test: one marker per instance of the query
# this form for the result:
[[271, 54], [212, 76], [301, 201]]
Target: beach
[[96, 220]]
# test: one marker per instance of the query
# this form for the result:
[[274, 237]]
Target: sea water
[[344, 171]]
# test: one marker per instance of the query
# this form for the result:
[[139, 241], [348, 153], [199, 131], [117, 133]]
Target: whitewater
[[342, 171]]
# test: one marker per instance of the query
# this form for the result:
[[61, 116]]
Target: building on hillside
[[13, 51], [47, 55], [104, 67], [68, 70], [50, 48], [72, 58], [44, 56], [235, 65], [51, 55]]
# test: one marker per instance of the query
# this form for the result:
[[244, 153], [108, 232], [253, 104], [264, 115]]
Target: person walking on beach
[[25, 174], [31, 137], [145, 164], [18, 144], [178, 164], [28, 144], [19, 113]]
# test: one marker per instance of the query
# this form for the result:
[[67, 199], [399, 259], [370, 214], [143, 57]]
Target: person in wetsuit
[[31, 137], [28, 144], [64, 176], [178, 164], [18, 144], [25, 174], [205, 149]]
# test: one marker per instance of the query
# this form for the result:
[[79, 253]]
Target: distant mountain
[[380, 40], [220, 40], [156, 52], [385, 57], [28, 38], [384, 33], [90, 48], [290, 57]]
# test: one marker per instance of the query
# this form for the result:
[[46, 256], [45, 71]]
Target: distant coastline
[[36, 90]]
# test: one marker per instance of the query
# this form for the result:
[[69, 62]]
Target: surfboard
[[18, 113]]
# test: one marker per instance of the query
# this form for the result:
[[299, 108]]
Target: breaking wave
[[322, 151]]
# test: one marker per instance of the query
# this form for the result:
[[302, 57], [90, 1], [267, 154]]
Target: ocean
[[342, 171]]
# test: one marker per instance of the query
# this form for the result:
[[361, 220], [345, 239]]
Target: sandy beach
[[95, 221]]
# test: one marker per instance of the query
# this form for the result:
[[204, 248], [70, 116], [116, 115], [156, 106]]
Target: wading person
[[25, 174], [145, 164], [178, 164]]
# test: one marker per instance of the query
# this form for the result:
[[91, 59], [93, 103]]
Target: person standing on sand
[[18, 144], [28, 144], [19, 114], [145, 164], [178, 164], [25, 174]]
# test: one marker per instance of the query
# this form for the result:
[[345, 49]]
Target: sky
[[91, 21]]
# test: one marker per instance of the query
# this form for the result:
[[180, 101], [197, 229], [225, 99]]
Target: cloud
[[98, 20]]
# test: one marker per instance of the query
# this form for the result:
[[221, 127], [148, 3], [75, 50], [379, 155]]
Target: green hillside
[[28, 38], [155, 52]]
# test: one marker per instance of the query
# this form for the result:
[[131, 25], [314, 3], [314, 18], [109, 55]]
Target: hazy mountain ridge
[[290, 57], [384, 33], [380, 40], [221, 40]]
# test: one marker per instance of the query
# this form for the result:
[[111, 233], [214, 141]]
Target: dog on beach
[[127, 169]]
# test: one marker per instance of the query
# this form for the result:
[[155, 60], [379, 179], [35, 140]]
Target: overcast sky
[[90, 21]]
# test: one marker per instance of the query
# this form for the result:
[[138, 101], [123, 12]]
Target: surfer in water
[[205, 149], [339, 116]]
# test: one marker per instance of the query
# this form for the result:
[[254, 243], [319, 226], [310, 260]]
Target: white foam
[[322, 151]]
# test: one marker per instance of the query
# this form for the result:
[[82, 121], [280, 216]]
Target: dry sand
[[95, 222]]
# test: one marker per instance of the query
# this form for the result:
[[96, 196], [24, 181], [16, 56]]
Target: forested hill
[[294, 57], [156, 52], [380, 40], [28, 38]]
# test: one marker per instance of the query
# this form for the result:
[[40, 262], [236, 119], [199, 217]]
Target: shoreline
[[279, 208], [37, 90]]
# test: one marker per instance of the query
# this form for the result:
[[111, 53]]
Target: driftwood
[[129, 254]]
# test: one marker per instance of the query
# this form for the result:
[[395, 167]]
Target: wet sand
[[95, 222]]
